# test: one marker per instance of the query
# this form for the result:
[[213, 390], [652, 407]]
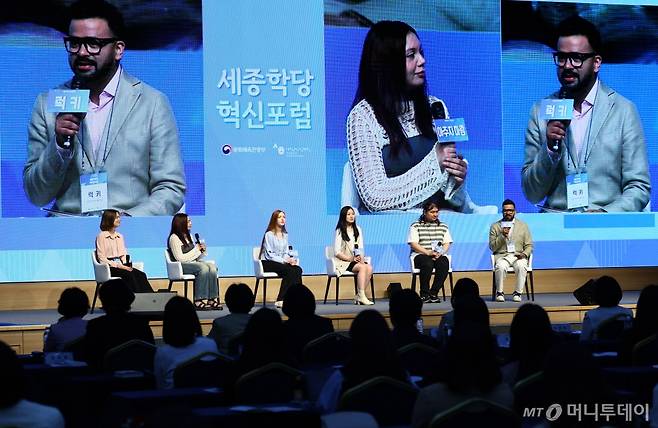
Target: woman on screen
[[278, 256], [111, 249], [349, 254], [394, 156], [182, 248]]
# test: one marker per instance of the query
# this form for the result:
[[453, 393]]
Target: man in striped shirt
[[430, 240]]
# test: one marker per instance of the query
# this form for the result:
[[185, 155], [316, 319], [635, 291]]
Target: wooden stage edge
[[44, 295]]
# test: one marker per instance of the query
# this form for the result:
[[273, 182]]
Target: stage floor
[[344, 309]]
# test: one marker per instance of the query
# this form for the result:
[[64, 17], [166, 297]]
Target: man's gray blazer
[[141, 150], [617, 165]]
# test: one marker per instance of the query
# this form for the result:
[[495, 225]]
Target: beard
[[583, 81]]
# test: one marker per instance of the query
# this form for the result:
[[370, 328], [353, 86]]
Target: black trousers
[[426, 264], [136, 279], [290, 275]]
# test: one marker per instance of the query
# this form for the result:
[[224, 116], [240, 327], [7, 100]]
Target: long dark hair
[[107, 219], [470, 355], [179, 228], [271, 227], [342, 224], [531, 337], [383, 83], [180, 326], [264, 341], [646, 313], [373, 353]]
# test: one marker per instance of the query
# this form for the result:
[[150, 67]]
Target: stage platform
[[23, 329], [26, 309]]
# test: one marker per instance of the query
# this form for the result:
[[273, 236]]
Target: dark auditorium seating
[[331, 348], [207, 369], [132, 355], [418, 359], [389, 400], [476, 413], [273, 383]]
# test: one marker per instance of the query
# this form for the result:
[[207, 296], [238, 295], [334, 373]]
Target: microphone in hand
[[437, 110], [76, 83], [554, 144]]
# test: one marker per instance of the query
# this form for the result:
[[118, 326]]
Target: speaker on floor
[[585, 294], [151, 302]]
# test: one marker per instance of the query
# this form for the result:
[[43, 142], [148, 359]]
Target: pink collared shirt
[[109, 246], [98, 114], [580, 122]]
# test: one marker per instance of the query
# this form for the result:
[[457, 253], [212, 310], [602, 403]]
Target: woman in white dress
[[349, 254]]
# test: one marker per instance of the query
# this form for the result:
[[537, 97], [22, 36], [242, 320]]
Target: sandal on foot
[[215, 305], [200, 305]]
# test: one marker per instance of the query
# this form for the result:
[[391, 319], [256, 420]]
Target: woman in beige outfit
[[349, 254]]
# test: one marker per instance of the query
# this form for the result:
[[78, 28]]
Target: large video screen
[[261, 93]]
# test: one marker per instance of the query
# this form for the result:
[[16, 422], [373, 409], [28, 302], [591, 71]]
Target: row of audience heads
[[405, 306], [470, 352]]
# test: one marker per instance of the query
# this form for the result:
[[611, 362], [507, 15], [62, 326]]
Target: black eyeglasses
[[575, 58], [92, 44]]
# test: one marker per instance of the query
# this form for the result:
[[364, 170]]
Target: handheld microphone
[[76, 83], [556, 143], [437, 110], [196, 237]]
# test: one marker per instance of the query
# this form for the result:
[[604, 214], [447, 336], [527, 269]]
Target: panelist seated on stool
[[511, 244]]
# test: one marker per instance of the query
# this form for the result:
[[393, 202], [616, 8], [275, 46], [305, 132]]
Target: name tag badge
[[93, 192], [577, 191], [511, 248]]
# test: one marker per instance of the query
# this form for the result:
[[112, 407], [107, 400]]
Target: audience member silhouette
[[225, 330], [117, 326], [373, 353], [572, 376], [607, 293], [73, 305], [463, 288], [183, 340], [468, 309], [531, 337], [471, 371], [645, 323], [263, 342], [471, 309], [405, 308], [303, 325], [15, 410]]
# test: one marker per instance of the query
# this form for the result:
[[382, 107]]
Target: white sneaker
[[278, 303], [500, 297], [516, 297]]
